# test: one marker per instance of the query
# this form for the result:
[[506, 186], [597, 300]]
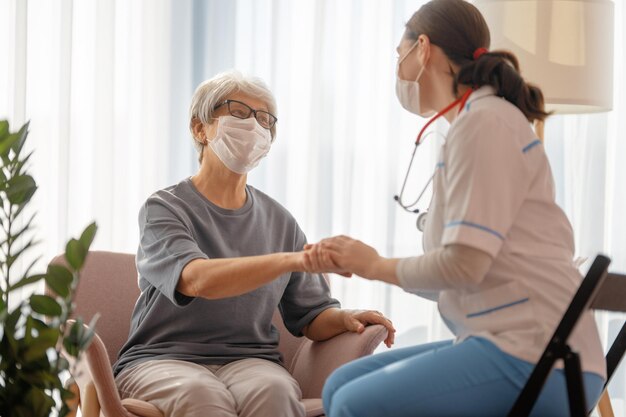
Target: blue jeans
[[472, 378]]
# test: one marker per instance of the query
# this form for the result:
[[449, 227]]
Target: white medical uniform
[[494, 191]]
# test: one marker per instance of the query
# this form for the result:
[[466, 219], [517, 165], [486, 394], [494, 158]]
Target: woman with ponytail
[[498, 251]]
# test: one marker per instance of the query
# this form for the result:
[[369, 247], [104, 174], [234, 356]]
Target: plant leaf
[[59, 279], [28, 330], [22, 135], [39, 324], [20, 189], [86, 238], [13, 318], [17, 168], [7, 143], [89, 334], [62, 364], [4, 129], [27, 226], [3, 315], [75, 253], [45, 305], [26, 281], [9, 328], [46, 339], [32, 264], [72, 340], [19, 252], [19, 210], [38, 401]]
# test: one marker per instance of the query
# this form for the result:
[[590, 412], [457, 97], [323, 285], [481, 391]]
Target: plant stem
[[8, 256]]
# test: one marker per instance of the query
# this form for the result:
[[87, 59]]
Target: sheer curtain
[[93, 79], [107, 84], [586, 153]]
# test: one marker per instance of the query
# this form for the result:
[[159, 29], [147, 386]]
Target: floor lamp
[[566, 48]]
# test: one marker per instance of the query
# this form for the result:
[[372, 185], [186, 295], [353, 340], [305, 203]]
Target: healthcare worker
[[498, 250]]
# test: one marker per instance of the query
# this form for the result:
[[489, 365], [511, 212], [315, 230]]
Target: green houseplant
[[33, 330]]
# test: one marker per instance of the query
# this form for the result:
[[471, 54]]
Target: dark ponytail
[[458, 28], [500, 69]]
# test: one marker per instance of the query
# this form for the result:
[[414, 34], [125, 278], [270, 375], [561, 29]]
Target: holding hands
[[341, 255], [346, 256]]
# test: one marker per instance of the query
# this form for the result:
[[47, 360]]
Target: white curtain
[[587, 157], [107, 84]]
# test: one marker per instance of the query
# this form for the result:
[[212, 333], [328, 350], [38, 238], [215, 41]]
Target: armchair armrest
[[94, 369], [93, 373], [315, 361]]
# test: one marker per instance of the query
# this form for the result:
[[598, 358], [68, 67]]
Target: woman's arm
[[333, 321], [452, 266], [222, 278]]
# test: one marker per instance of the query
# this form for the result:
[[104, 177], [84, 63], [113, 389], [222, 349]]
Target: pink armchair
[[109, 286]]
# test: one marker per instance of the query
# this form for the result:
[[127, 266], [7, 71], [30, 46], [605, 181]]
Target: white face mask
[[408, 92], [240, 143]]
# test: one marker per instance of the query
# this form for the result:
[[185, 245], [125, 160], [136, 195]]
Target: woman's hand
[[356, 320], [346, 256], [315, 259], [351, 255], [333, 321]]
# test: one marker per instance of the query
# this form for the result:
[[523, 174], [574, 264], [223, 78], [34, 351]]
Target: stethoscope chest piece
[[421, 221]]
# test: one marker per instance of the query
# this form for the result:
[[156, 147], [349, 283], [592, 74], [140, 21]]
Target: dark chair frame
[[601, 291]]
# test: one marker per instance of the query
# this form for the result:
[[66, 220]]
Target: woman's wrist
[[384, 269], [292, 261]]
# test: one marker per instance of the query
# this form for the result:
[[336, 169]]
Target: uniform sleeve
[[305, 297], [487, 178], [447, 267], [166, 246]]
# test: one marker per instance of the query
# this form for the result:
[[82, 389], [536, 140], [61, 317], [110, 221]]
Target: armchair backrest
[[108, 286]]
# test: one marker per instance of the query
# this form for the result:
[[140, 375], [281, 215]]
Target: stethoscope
[[412, 207]]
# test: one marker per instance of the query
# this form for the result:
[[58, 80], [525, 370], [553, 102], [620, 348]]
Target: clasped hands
[[341, 255], [346, 256]]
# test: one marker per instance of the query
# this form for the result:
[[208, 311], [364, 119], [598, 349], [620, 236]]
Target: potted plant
[[33, 331]]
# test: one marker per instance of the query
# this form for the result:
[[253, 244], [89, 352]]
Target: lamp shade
[[564, 46]]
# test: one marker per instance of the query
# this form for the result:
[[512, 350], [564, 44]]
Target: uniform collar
[[484, 91]]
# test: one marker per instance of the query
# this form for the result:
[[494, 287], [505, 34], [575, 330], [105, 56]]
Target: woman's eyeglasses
[[243, 111]]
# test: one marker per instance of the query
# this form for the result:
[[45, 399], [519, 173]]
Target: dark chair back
[[612, 297], [595, 291]]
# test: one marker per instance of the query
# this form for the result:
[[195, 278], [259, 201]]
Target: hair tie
[[479, 52]]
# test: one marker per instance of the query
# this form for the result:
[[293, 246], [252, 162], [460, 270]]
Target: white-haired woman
[[216, 258]]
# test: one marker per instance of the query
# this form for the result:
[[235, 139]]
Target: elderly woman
[[216, 258]]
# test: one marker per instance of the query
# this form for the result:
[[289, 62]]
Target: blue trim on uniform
[[467, 106], [531, 145], [441, 164], [475, 225], [491, 310]]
